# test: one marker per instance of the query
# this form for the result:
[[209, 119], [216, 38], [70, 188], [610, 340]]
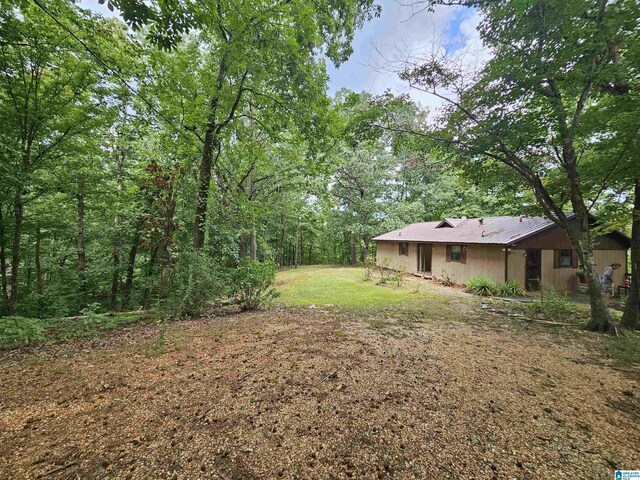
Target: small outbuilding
[[533, 251]]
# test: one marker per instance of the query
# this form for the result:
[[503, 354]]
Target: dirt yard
[[320, 393]]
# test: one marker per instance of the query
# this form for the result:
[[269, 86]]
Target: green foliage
[[624, 350], [191, 284], [482, 286], [252, 283], [510, 288], [401, 273], [18, 331], [555, 305]]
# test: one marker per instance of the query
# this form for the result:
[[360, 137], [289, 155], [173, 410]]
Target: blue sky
[[400, 33], [382, 43]]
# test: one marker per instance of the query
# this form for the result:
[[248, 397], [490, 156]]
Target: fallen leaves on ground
[[315, 394]]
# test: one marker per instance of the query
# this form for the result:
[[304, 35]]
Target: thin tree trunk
[[352, 244], [117, 239], [3, 266], [18, 209], [204, 184], [82, 261], [631, 315], [365, 250], [131, 264], [281, 242], [39, 278], [146, 292]]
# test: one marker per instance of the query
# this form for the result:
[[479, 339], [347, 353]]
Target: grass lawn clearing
[[340, 286]]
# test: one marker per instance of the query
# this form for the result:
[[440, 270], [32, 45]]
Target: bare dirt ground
[[300, 393]]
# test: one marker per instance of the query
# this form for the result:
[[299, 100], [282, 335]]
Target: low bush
[[555, 305], [401, 273], [482, 286], [252, 283], [19, 331], [511, 288], [191, 284]]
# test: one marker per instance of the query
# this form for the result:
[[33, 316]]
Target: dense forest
[[161, 159]]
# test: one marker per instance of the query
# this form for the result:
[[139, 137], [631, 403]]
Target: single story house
[[533, 251]]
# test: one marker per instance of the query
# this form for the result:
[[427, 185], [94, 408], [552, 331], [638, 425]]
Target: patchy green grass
[[624, 350], [17, 332], [339, 286]]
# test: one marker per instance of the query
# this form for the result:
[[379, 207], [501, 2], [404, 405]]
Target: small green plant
[[18, 331], [510, 288], [623, 301], [252, 283], [400, 275], [383, 268], [482, 286], [158, 346], [554, 305]]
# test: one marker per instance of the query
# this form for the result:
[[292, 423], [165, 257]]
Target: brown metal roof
[[492, 230]]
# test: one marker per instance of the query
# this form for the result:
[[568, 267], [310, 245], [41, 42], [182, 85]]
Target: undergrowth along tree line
[[141, 166]]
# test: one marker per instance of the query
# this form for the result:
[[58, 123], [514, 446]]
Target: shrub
[[18, 331], [401, 272], [252, 283], [446, 279], [482, 286], [555, 305], [191, 284], [511, 288], [383, 268]]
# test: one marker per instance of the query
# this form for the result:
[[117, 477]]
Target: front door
[[424, 257], [533, 274]]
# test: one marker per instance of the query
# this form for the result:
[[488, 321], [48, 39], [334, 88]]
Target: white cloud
[[406, 33]]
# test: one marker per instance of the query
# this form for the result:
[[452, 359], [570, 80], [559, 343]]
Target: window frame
[[403, 249], [458, 253], [562, 257]]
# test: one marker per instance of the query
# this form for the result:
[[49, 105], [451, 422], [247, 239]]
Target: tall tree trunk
[[169, 227], [117, 239], [202, 199], [131, 264], [151, 266], [82, 261], [3, 266], [18, 211], [115, 274], [365, 250], [631, 315], [352, 245], [296, 246], [281, 242], [39, 278]]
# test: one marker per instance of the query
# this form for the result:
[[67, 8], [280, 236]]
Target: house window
[[456, 253], [403, 248], [566, 258]]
